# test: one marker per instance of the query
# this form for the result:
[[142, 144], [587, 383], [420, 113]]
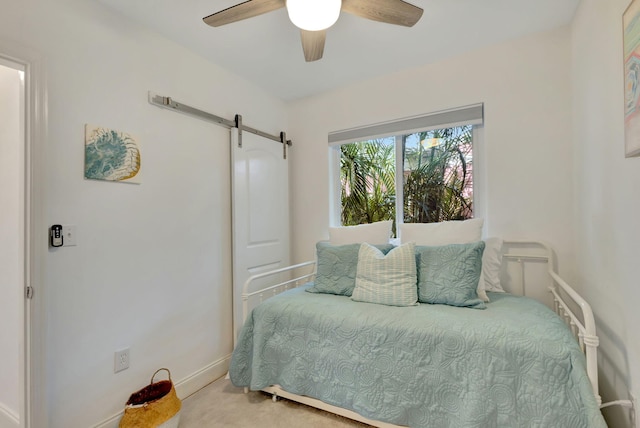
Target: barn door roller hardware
[[169, 103]]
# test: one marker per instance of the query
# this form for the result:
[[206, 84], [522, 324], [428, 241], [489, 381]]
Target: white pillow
[[446, 233], [387, 279], [443, 233], [492, 264], [373, 233]]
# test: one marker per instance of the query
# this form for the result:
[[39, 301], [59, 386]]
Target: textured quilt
[[514, 364]]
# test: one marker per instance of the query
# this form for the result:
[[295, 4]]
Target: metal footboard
[[275, 289], [564, 298]]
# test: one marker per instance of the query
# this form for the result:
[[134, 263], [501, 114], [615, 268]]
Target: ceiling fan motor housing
[[313, 15]]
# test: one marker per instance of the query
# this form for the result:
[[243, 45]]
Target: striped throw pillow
[[389, 279]]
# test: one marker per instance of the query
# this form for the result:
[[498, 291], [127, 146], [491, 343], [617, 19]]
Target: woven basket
[[154, 406]]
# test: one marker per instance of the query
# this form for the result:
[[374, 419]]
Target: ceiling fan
[[313, 17]]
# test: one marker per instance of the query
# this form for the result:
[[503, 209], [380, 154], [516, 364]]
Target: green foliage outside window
[[367, 174], [437, 178], [438, 183]]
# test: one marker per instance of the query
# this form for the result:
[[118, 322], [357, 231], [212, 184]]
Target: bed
[[522, 361]]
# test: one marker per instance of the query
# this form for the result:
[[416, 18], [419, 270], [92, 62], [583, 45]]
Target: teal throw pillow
[[449, 274], [337, 267], [387, 279]]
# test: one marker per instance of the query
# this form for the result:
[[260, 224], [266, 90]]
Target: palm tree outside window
[[436, 173]]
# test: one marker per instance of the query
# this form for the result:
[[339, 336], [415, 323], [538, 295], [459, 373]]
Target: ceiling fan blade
[[313, 44], [247, 9], [395, 12]]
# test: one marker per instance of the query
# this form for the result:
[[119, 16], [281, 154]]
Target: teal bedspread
[[514, 364]]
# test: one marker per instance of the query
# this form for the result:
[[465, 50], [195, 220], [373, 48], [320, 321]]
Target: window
[[438, 175], [414, 177]]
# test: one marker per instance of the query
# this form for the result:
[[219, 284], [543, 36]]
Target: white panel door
[[260, 193]]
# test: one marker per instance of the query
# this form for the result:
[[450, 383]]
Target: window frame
[[479, 173]]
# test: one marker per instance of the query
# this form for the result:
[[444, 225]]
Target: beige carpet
[[223, 405]]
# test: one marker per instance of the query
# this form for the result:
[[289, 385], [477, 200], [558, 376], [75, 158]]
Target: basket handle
[[159, 370]]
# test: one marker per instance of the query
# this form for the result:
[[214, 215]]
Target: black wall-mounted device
[[56, 235]]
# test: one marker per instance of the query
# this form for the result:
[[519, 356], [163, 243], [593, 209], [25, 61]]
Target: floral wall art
[[111, 155], [631, 45]]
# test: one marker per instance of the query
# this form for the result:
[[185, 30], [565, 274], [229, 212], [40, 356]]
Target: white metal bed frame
[[564, 297]]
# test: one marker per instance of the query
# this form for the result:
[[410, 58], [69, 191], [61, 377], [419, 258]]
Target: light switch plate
[[69, 235]]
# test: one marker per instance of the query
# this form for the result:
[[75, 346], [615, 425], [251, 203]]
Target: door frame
[[33, 411]]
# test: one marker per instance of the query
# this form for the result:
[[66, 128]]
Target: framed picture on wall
[[111, 155], [631, 49]]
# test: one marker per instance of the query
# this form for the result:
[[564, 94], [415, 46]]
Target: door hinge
[[28, 292]]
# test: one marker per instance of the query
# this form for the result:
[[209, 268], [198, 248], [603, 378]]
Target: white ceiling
[[267, 51]]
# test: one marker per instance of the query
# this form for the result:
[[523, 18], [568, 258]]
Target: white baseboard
[[184, 388], [8, 418], [203, 377]]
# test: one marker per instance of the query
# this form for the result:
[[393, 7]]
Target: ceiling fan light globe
[[314, 15]]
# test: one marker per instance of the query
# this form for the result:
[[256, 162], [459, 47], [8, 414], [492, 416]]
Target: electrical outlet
[[121, 360]]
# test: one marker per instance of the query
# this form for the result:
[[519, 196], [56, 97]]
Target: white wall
[[152, 267], [608, 198], [527, 168], [11, 244]]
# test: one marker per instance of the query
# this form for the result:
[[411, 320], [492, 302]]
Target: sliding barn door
[[260, 192]]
